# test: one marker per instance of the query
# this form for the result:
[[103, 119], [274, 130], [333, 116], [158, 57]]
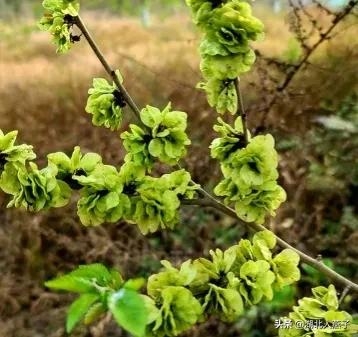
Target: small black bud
[[119, 99], [2, 161]]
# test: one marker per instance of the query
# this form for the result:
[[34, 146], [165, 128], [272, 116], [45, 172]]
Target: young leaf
[[71, 283], [129, 311], [85, 278], [79, 309], [94, 313], [135, 284]]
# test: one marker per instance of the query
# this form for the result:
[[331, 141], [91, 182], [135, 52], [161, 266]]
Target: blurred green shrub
[[293, 52], [334, 143]]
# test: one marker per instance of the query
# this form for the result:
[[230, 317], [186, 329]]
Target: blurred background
[[303, 89]]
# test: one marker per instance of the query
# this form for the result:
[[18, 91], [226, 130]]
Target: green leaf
[[86, 279], [78, 310], [135, 284], [285, 267], [90, 161], [151, 116], [94, 312], [7, 140], [179, 310], [166, 138], [105, 104], [155, 147], [129, 310], [71, 283], [92, 271]]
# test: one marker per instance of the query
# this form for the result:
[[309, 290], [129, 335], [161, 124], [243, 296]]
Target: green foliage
[[105, 103], [158, 200], [179, 310], [220, 94], [129, 310], [102, 289], [227, 284], [79, 309], [250, 175], [322, 309], [34, 189], [171, 277], [17, 155], [231, 140], [228, 28], [91, 278], [224, 286], [106, 195], [102, 199], [163, 138], [77, 165], [294, 52], [58, 20]]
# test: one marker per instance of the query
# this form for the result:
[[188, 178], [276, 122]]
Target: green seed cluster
[[250, 172], [319, 316], [106, 194], [162, 138], [58, 21], [105, 103], [228, 28], [225, 285]]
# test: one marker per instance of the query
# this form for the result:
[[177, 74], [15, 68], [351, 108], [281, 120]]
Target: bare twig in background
[[291, 71], [156, 73]]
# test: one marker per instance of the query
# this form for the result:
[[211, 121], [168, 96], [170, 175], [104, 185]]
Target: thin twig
[[344, 294], [241, 110], [82, 27], [155, 73], [292, 74], [210, 200]]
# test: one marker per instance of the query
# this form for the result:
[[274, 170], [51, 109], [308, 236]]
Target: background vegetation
[[314, 119]]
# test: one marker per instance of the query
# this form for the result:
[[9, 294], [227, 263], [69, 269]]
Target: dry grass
[[43, 96]]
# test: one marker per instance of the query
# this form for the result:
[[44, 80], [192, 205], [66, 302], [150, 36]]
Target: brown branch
[[323, 8], [316, 263]]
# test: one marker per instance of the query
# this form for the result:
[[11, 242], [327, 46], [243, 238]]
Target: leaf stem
[[82, 27], [209, 200]]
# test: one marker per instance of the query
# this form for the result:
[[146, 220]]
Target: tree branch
[[209, 200], [82, 27], [297, 68], [316, 263]]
